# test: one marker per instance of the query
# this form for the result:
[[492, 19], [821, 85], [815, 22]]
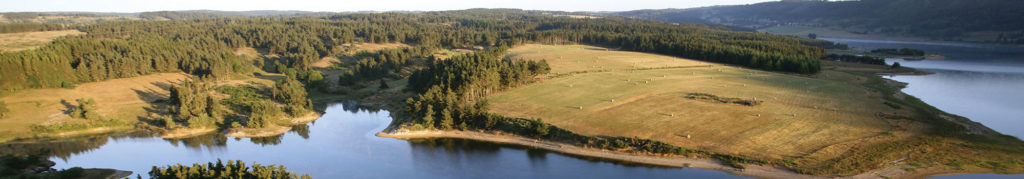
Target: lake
[[982, 82], [342, 144], [979, 81]]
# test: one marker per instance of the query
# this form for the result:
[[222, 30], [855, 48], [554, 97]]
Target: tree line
[[229, 169], [31, 27], [900, 52], [856, 59], [204, 47]]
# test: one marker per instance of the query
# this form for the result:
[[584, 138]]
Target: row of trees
[[856, 59], [30, 27], [205, 47], [72, 60], [900, 52], [231, 169]]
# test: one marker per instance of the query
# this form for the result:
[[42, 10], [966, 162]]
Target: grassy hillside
[[124, 99], [985, 21], [28, 40], [844, 120], [649, 101]]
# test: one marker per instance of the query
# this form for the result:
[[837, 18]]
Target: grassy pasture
[[581, 58], [799, 115], [123, 99], [29, 40]]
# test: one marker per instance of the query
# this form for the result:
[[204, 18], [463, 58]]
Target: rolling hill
[[957, 20]]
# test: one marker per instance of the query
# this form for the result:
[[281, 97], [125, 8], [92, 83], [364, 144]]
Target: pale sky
[[350, 5]]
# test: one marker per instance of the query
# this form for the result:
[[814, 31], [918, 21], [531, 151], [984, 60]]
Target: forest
[[229, 169], [856, 59], [203, 47]]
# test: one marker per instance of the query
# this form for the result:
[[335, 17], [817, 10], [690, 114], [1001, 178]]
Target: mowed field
[[28, 40], [580, 58], [798, 116]]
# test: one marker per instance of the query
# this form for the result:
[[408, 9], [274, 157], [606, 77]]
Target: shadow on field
[[157, 100], [269, 77], [68, 107]]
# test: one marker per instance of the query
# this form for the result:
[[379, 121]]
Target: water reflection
[[342, 145]]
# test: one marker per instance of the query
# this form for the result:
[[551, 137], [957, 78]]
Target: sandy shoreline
[[751, 170]]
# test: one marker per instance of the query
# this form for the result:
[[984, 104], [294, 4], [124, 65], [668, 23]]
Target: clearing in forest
[[29, 40], [646, 95]]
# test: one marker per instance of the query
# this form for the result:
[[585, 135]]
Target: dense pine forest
[[204, 46]]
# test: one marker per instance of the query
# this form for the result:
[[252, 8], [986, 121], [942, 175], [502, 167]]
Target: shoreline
[[271, 131], [673, 161], [752, 170]]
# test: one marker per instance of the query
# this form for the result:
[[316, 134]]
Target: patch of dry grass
[[123, 99], [352, 49], [29, 40], [126, 99], [579, 58]]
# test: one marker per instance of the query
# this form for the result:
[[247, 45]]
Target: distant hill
[[197, 14], [967, 20]]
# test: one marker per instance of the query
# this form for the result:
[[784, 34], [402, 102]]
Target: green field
[[799, 115]]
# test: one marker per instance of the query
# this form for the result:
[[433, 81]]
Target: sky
[[350, 5]]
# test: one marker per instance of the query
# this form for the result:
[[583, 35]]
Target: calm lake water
[[342, 144], [982, 82]]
